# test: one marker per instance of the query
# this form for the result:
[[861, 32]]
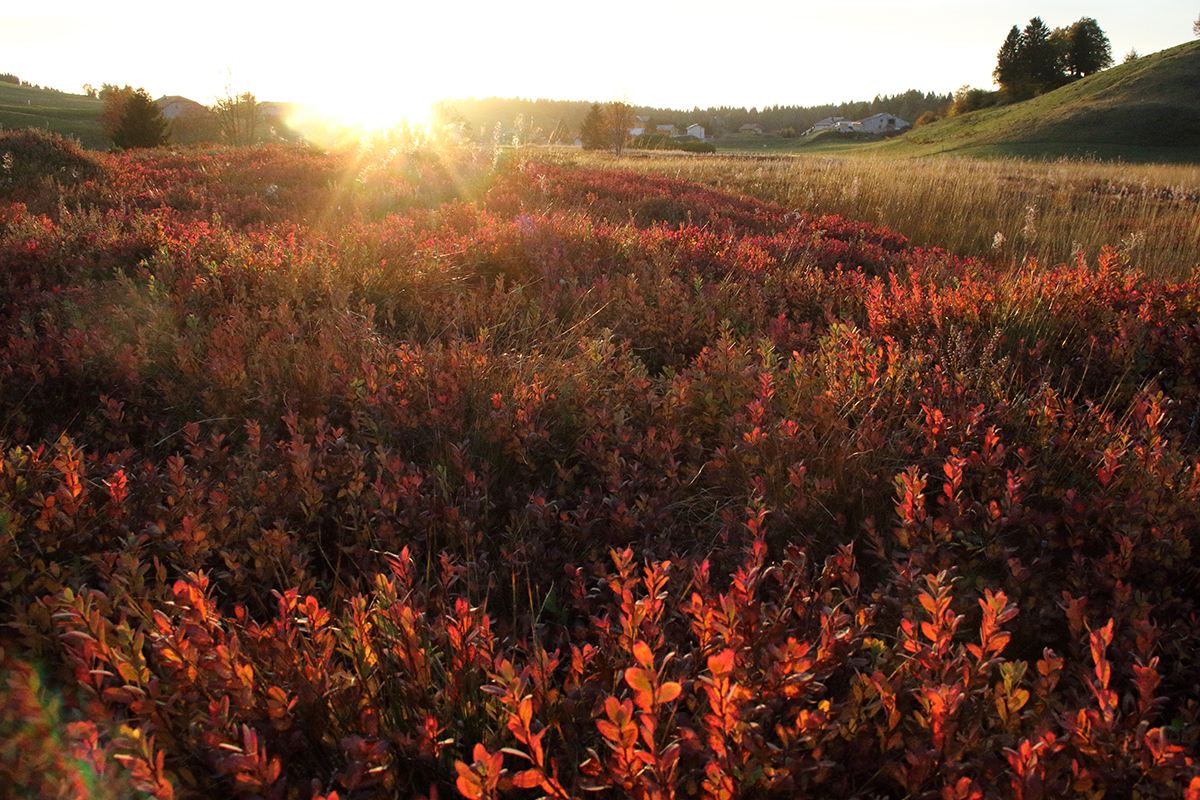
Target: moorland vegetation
[[407, 472]]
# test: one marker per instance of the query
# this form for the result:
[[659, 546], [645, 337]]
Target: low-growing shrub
[[400, 480]]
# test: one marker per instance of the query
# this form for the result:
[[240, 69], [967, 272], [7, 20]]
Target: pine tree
[[140, 122], [591, 130], [1039, 57], [1008, 61]]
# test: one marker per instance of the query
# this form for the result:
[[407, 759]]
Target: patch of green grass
[[776, 144], [65, 114], [1145, 110]]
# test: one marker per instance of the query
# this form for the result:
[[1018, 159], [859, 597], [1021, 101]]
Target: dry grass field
[[1004, 211]]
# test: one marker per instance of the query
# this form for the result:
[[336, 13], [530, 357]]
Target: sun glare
[[348, 117], [373, 112]]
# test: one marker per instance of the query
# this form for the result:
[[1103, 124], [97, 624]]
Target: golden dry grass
[[1004, 210]]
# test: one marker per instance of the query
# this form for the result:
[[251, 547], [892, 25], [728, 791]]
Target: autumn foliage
[[412, 474]]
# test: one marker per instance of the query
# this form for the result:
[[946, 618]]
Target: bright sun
[[374, 112], [350, 116]]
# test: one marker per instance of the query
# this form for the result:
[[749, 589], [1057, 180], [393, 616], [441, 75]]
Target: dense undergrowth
[[408, 475]]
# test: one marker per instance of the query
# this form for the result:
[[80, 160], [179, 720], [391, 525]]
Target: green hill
[[1147, 109], [67, 114]]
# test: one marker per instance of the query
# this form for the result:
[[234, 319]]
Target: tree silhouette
[[1038, 60], [240, 117], [1008, 61], [132, 119], [591, 130], [1088, 48], [1039, 57], [618, 119]]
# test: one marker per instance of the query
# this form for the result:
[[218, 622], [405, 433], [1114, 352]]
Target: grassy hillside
[[1146, 109], [67, 114]]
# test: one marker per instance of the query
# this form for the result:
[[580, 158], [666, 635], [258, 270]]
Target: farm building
[[639, 126], [883, 123], [174, 106], [696, 131], [751, 127], [826, 124]]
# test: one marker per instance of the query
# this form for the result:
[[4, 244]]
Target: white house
[[696, 131], [639, 126], [883, 123]]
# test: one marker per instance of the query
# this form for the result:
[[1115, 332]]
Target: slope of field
[[408, 473], [1002, 210], [65, 114], [1148, 108]]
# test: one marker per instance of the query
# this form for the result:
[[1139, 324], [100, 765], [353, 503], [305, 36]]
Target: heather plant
[[406, 477]]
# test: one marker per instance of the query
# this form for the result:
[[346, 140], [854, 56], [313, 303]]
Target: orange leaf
[[639, 680], [722, 663], [643, 654], [527, 779], [668, 692], [928, 603], [468, 782]]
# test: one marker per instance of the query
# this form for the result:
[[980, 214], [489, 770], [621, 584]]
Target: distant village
[[882, 123], [874, 124], [188, 114]]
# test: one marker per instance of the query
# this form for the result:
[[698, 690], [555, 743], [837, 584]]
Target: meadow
[[1003, 210], [419, 472]]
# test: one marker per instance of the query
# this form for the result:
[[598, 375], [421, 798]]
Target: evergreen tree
[[1088, 48], [1008, 61], [1039, 58], [140, 122], [591, 131], [1031, 61]]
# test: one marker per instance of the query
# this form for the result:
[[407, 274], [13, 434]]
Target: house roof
[[174, 105]]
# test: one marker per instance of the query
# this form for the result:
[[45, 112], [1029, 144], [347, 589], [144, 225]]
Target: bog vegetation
[[403, 473]]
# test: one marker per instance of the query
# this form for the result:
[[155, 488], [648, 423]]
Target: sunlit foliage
[[417, 474]]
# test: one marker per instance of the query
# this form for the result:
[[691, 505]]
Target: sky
[[381, 60]]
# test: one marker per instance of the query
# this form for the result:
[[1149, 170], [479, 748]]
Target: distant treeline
[[8, 77], [525, 115]]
